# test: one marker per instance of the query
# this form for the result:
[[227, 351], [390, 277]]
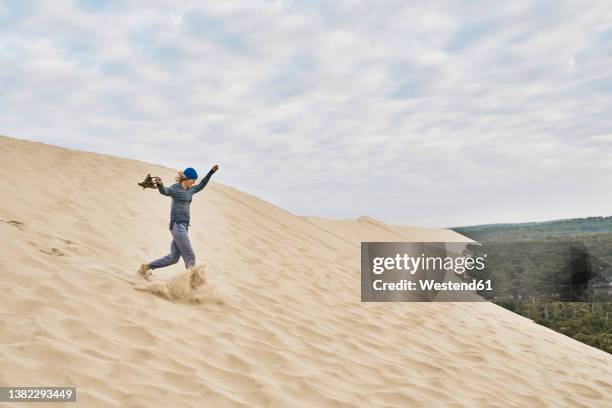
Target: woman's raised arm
[[200, 186]]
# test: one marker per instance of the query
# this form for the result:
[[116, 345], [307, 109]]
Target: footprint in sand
[[14, 223], [53, 252]]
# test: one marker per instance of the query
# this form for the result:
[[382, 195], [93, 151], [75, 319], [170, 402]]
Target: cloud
[[431, 113]]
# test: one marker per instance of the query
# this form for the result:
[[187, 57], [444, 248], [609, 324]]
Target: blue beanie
[[190, 173]]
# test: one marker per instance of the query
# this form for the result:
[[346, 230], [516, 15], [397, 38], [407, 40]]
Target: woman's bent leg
[[179, 232], [170, 259]]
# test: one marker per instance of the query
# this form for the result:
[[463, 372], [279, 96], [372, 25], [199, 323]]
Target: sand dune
[[75, 227]]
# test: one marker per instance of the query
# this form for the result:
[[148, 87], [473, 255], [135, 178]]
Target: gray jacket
[[181, 198]]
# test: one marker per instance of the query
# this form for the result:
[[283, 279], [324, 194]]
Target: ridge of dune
[[373, 229], [293, 331]]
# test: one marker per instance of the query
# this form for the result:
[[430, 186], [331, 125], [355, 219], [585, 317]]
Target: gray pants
[[180, 247]]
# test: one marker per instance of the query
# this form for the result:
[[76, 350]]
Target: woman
[[181, 193]]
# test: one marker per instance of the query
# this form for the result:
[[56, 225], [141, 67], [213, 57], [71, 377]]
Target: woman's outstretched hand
[[215, 167], [158, 180]]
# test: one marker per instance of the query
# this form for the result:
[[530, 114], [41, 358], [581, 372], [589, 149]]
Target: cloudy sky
[[436, 113]]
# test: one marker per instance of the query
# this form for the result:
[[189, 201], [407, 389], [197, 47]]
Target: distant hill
[[537, 230], [523, 265], [594, 232]]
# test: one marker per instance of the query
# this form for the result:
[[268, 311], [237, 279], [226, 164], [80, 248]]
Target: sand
[[290, 329]]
